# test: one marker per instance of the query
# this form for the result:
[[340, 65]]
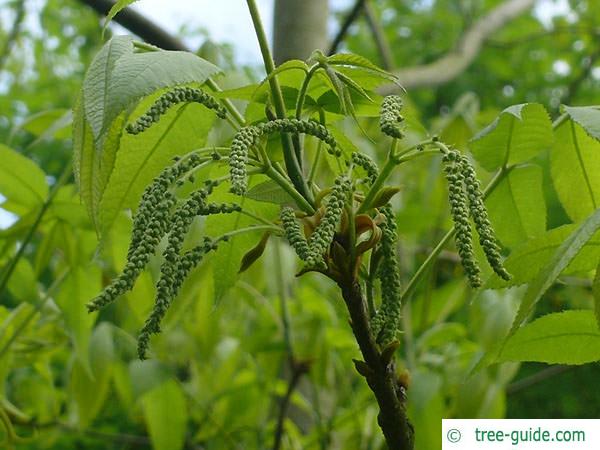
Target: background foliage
[[220, 366]]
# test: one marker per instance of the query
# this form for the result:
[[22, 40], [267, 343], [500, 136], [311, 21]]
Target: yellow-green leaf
[[575, 168], [518, 134], [569, 337]]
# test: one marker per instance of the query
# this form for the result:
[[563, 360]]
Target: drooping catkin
[[293, 232], [150, 224], [138, 256], [322, 237], [156, 192], [168, 287], [366, 163], [487, 237], [386, 323], [171, 98], [460, 215], [243, 140], [248, 136], [390, 117], [175, 267]]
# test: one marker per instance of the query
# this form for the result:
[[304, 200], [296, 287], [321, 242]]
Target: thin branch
[[348, 21], [594, 31], [383, 47], [538, 377], [455, 62], [13, 34], [298, 369], [139, 25], [586, 70], [378, 371]]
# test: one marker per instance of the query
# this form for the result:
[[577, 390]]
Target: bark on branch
[[379, 373], [139, 25], [456, 62]]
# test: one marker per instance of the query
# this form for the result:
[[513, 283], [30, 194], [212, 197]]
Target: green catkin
[[248, 136], [390, 117], [168, 287], [156, 192], [487, 237], [138, 257], [171, 98], [369, 166], [150, 224], [293, 233], [460, 215], [243, 140], [386, 323], [175, 268], [322, 236]]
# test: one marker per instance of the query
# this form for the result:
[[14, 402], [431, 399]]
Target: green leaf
[[51, 124], [588, 117], [84, 161], [81, 285], [147, 375], [560, 260], [270, 192], [97, 82], [138, 75], [518, 134], [292, 64], [90, 386], [352, 60], [526, 260], [117, 7], [166, 415], [384, 196], [575, 169], [142, 157], [517, 207], [22, 283], [254, 253], [21, 180], [569, 337], [596, 294]]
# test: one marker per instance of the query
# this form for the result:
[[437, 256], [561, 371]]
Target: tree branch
[[379, 372], [383, 47], [451, 65], [139, 25], [13, 34], [341, 34]]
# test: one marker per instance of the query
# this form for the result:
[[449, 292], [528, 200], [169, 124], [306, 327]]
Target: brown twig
[[348, 21], [455, 62], [139, 25], [380, 374], [538, 377], [13, 34], [383, 47], [586, 70], [299, 368]]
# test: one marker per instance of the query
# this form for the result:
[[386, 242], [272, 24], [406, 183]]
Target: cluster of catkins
[[248, 136], [314, 249], [159, 215], [466, 201], [173, 97]]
